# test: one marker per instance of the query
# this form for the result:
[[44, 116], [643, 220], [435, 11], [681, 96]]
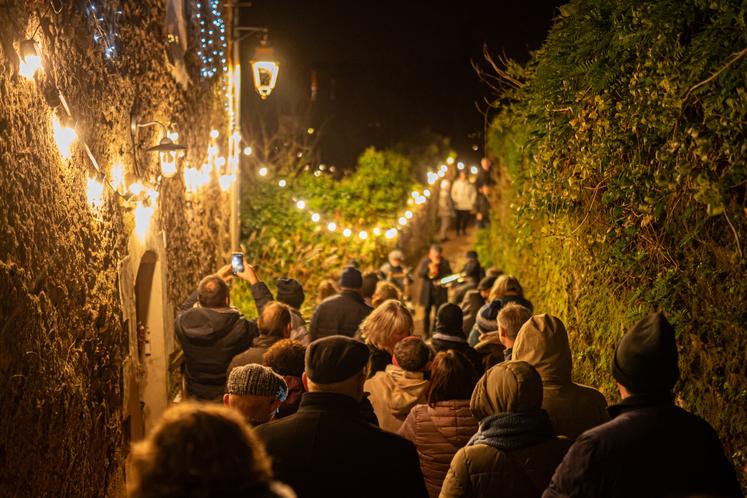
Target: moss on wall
[[62, 336]]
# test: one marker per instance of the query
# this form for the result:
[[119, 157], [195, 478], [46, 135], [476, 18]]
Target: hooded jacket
[[481, 469], [394, 392], [438, 432], [339, 314], [210, 338], [573, 408]]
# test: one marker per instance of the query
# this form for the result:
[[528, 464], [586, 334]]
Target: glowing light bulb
[[248, 151], [441, 174], [315, 217], [460, 165], [426, 193], [143, 216], [363, 235], [191, 179], [377, 231], [213, 150], [473, 170], [172, 135], [450, 160], [282, 183], [262, 171], [444, 184], [310, 131], [432, 178], [236, 136], [415, 194], [300, 204], [403, 221], [118, 179], [95, 193], [421, 200], [391, 233], [214, 134], [225, 182], [64, 136], [168, 163], [410, 202], [408, 215], [220, 161], [30, 60], [331, 226], [347, 232]]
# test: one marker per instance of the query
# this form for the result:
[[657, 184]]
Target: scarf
[[511, 431]]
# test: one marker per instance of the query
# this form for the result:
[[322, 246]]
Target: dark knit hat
[[335, 358], [351, 278], [486, 283], [646, 357], [449, 320], [256, 380], [290, 292]]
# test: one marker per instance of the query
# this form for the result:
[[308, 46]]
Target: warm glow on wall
[[30, 61], [143, 216], [64, 136], [95, 193], [225, 182], [118, 179]]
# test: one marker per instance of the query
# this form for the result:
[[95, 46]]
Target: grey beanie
[[256, 380]]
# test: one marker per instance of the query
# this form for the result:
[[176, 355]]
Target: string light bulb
[[30, 61], [214, 134], [347, 232], [262, 171], [282, 183], [247, 151], [377, 231], [315, 217], [363, 235], [391, 233], [473, 170], [460, 165], [300, 204], [331, 226], [95, 192], [402, 221], [64, 136], [408, 215], [450, 160]]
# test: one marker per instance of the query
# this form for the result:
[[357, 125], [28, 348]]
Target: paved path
[[455, 251]]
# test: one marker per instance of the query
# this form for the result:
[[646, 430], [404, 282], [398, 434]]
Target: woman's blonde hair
[[387, 325], [385, 291], [505, 285], [199, 450]]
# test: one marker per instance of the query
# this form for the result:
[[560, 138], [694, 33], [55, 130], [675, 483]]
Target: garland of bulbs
[[141, 195], [415, 200]]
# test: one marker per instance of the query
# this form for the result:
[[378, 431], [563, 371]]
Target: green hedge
[[622, 189]]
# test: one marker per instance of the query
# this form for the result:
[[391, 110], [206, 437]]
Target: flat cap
[[335, 358]]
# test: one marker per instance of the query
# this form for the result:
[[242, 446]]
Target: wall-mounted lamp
[[168, 150], [30, 59], [264, 68]]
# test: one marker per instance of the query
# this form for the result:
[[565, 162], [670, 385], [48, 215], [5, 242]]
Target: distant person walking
[[445, 210], [485, 174], [463, 195], [432, 268]]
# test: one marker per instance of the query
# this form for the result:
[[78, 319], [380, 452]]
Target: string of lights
[[212, 37]]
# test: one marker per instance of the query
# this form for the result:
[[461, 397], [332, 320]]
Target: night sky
[[387, 70]]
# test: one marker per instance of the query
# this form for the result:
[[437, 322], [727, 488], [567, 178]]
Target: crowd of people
[[357, 403], [461, 200]]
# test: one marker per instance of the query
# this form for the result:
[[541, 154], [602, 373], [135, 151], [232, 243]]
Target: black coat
[[430, 293], [210, 338], [470, 305], [327, 450], [651, 448], [254, 354], [339, 314]]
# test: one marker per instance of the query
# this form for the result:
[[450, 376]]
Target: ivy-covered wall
[[63, 337], [623, 172]]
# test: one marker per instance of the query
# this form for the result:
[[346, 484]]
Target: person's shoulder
[[590, 393], [278, 426]]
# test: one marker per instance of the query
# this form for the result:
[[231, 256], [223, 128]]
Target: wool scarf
[[511, 431]]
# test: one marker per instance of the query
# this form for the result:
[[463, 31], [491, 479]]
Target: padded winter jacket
[[573, 408], [393, 393], [438, 432]]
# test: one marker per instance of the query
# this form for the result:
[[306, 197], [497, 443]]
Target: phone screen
[[237, 262]]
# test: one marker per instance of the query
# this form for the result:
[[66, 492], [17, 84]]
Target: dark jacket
[[254, 354], [651, 448], [327, 450], [339, 314], [379, 360], [470, 305], [430, 293], [210, 338], [472, 355]]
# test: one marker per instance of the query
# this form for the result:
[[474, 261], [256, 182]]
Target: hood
[[407, 389], [513, 386], [543, 343], [207, 325], [453, 420]]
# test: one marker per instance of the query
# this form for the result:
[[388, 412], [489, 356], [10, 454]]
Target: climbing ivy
[[622, 178]]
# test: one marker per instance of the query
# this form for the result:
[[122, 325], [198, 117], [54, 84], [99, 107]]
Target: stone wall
[[67, 273]]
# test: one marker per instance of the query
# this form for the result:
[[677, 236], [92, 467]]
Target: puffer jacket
[[438, 432], [394, 392], [573, 408], [518, 463]]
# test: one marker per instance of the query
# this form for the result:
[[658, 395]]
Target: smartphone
[[237, 262]]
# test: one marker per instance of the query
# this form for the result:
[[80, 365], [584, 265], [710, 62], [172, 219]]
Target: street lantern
[[265, 69]]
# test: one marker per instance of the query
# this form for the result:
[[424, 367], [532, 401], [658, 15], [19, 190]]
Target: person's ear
[[274, 407], [226, 398], [288, 330], [305, 381]]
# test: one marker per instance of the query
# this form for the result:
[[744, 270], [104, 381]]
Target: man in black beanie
[[449, 335], [326, 449], [651, 447], [291, 293], [342, 313]]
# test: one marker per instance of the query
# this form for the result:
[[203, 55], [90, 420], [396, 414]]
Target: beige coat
[[438, 432], [573, 408], [481, 470], [394, 392]]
